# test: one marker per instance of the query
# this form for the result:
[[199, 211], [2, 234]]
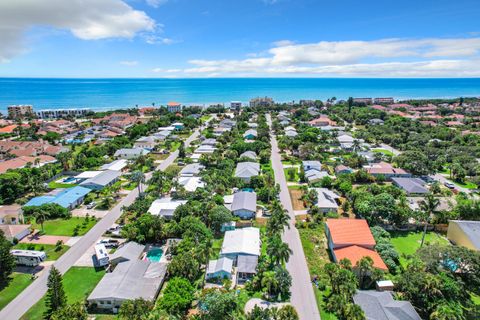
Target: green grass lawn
[[296, 177], [384, 151], [204, 118], [48, 248], [466, 185], [175, 145], [130, 186], [55, 185], [64, 227], [18, 282], [216, 246], [315, 249], [407, 243], [78, 282]]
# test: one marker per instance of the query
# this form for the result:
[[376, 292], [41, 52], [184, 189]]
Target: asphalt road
[[35, 291], [303, 297], [440, 178]]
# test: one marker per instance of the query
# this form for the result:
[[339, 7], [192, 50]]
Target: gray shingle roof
[[381, 306], [222, 264], [129, 251], [247, 264], [244, 200], [249, 154], [103, 179], [192, 169], [410, 185], [247, 169], [131, 280]]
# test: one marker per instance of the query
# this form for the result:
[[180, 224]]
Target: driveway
[[442, 179], [303, 297], [83, 211], [36, 239]]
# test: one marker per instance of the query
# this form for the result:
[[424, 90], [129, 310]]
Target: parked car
[[449, 185], [91, 205], [109, 243]]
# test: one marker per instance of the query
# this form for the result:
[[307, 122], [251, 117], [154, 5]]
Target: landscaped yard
[[314, 245], [49, 249], [56, 185], [204, 118], [292, 174], [65, 227], [384, 151], [466, 185], [407, 243], [18, 282], [78, 282]]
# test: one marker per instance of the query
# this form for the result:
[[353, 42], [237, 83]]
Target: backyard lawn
[[204, 118], [49, 249], [78, 282], [56, 185], [407, 243], [18, 282], [292, 174], [65, 227], [384, 151]]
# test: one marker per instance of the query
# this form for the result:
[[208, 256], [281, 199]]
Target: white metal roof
[[242, 241]]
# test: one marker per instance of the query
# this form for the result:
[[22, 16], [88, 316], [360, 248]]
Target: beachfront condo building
[[20, 111]]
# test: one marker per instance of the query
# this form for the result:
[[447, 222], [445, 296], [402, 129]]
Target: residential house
[[322, 121], [191, 170], [352, 239], [102, 180], [190, 184], [313, 176], [341, 169], [241, 242], [129, 251], [145, 143], [387, 170], [219, 269], [130, 280], [23, 161], [312, 165], [209, 142], [378, 305], [205, 149], [250, 134], [246, 170], [249, 154], [174, 107], [68, 198], [246, 267], [244, 204], [292, 133], [178, 126], [11, 214], [130, 153], [326, 200], [375, 122], [165, 207], [15, 231], [411, 186], [464, 233], [117, 165]]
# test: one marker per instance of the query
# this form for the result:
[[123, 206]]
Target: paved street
[[440, 178], [35, 291], [303, 297]]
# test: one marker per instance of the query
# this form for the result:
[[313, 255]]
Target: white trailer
[[30, 258], [101, 255]]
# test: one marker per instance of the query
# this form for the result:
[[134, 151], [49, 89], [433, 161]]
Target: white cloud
[[379, 58], [156, 3], [155, 39], [129, 63], [85, 19]]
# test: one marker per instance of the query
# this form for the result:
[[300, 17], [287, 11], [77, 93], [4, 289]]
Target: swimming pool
[[154, 254], [69, 179]]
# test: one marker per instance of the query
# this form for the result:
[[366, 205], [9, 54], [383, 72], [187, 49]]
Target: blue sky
[[244, 38]]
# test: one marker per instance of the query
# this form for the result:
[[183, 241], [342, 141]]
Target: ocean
[[103, 94]]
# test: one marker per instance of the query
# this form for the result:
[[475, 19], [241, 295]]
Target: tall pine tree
[[7, 260], [56, 298]]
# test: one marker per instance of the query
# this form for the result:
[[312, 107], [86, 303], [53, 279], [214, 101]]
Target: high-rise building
[[20, 111], [235, 105], [261, 102]]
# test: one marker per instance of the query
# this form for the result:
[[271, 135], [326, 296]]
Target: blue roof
[[64, 198]]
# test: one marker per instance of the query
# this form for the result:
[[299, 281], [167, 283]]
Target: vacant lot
[[18, 282], [78, 282], [65, 227], [407, 243], [296, 195]]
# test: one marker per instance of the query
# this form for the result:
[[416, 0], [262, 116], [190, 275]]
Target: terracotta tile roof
[[21, 162], [350, 232], [356, 253], [8, 129], [378, 107], [11, 230]]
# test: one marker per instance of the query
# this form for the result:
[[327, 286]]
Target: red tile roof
[[8, 129], [356, 253], [350, 232]]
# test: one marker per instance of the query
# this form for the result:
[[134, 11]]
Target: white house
[[241, 242], [130, 153], [165, 207], [244, 204]]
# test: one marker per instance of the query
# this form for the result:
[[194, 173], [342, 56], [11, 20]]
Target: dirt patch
[[37, 239], [296, 196]]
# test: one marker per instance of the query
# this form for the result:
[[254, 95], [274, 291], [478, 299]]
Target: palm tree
[[428, 207], [270, 283], [40, 216], [278, 250], [139, 178], [356, 144]]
